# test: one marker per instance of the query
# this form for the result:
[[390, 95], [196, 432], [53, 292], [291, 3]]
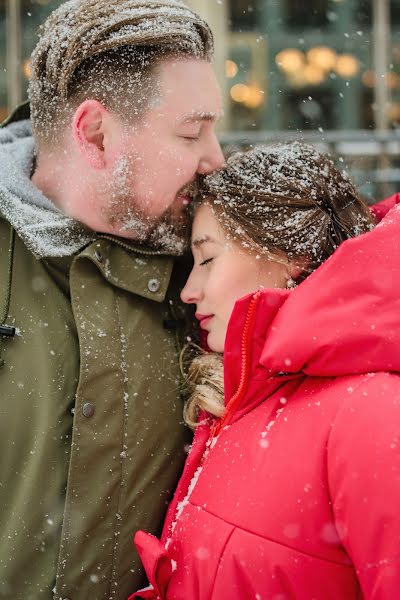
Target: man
[[92, 215]]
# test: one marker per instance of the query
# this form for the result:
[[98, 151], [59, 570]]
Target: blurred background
[[324, 71]]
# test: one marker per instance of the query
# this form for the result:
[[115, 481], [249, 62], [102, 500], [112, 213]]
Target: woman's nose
[[190, 293]]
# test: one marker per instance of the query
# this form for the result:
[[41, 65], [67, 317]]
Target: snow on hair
[[287, 199], [104, 47], [282, 200]]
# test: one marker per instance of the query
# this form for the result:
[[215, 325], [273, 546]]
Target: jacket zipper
[[245, 368], [134, 248]]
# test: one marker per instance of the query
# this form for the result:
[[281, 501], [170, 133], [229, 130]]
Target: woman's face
[[223, 272]]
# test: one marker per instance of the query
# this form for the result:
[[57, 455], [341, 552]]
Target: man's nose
[[212, 160]]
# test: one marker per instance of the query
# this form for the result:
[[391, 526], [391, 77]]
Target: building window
[[395, 12], [303, 111], [243, 15], [314, 13], [363, 13], [3, 53]]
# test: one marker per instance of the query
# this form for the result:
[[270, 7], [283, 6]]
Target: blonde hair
[[108, 50], [204, 382], [285, 199]]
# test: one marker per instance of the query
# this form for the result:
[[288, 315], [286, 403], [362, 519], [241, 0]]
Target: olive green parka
[[91, 434]]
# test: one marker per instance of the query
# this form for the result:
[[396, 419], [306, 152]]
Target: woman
[[292, 486]]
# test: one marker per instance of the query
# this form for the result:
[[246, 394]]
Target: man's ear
[[88, 130]]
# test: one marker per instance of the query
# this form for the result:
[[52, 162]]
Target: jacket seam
[[338, 412], [328, 435], [220, 560], [67, 512], [365, 379], [123, 431], [269, 539]]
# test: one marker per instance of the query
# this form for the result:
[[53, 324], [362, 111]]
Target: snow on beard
[[169, 231]]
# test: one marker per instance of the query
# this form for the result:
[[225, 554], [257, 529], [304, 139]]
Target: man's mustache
[[191, 189]]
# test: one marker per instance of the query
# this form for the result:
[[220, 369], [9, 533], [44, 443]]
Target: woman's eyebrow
[[203, 239]]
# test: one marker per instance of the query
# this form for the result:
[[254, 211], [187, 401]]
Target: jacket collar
[[132, 269]]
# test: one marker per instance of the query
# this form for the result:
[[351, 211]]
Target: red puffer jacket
[[297, 494]]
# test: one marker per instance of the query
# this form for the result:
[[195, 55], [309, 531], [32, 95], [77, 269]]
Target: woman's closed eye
[[206, 261]]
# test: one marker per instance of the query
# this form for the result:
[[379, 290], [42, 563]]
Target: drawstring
[[6, 331]]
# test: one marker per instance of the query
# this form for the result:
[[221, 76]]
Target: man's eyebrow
[[198, 115], [197, 242]]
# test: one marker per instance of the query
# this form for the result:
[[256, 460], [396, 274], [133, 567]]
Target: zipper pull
[[215, 428]]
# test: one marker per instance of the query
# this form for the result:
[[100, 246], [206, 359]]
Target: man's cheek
[[174, 158]]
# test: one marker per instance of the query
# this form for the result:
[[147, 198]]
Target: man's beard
[[169, 232]]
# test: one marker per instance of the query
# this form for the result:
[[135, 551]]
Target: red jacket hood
[[380, 209], [343, 319]]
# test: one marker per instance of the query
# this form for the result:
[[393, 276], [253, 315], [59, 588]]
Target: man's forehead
[[189, 91]]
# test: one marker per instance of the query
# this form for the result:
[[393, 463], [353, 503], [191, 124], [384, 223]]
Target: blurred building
[[327, 71], [296, 65], [323, 69]]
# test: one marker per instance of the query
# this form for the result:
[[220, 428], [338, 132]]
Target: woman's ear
[[297, 267]]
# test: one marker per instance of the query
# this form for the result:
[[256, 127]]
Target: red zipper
[[230, 407], [245, 368]]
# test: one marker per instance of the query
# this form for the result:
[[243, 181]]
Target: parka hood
[[344, 319], [45, 230]]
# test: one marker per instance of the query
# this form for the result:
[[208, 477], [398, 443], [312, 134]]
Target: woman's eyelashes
[[206, 261]]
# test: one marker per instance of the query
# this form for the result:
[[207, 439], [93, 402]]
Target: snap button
[[99, 256], [88, 409], [153, 285]]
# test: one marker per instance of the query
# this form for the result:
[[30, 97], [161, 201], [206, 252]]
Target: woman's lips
[[204, 319]]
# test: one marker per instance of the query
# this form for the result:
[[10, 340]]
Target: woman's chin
[[215, 344]]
